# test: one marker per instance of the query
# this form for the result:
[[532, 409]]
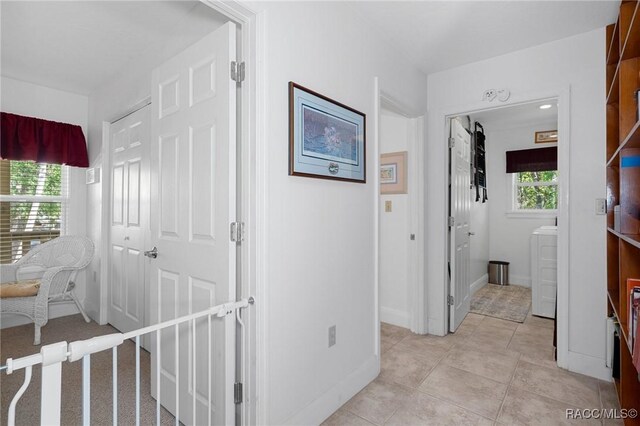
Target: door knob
[[153, 253], [472, 233]]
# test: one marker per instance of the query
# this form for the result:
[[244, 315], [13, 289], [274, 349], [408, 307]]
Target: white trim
[[520, 280], [531, 214], [324, 406], [439, 326], [394, 317], [377, 101], [417, 311], [588, 365], [105, 226], [479, 283]]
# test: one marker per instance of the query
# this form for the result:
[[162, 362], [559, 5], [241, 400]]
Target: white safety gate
[[51, 357]]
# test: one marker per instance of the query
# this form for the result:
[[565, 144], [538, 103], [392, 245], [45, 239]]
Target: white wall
[[395, 132], [321, 235], [479, 242], [510, 234], [31, 100], [576, 62]]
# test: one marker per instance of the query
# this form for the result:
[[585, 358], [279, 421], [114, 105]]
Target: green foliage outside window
[[27, 178], [537, 190]]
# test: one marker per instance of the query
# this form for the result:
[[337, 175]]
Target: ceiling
[[518, 115], [438, 35], [79, 46]]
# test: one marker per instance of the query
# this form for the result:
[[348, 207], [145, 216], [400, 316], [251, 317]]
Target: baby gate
[[52, 356]]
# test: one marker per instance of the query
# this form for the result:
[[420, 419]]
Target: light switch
[[387, 206], [601, 206]]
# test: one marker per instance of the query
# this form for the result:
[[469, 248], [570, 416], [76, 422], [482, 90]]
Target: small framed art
[[327, 139], [547, 136], [393, 173]]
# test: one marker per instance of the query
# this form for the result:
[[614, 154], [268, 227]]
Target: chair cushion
[[19, 289]]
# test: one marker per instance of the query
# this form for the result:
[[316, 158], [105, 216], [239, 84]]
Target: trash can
[[499, 272]]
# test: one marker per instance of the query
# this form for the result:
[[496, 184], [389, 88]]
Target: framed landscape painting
[[327, 139]]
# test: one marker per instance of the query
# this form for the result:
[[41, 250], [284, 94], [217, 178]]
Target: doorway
[[512, 215]]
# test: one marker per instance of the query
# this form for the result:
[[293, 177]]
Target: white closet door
[[129, 219]]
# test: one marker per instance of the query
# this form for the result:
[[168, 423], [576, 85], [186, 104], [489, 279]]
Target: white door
[[129, 146], [460, 199], [193, 200]]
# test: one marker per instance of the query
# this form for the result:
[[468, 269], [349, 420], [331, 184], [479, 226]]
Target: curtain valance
[[532, 160], [42, 141]]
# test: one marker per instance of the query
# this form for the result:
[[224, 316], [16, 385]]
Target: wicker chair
[[60, 259]]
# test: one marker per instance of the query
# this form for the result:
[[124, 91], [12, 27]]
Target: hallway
[[490, 371]]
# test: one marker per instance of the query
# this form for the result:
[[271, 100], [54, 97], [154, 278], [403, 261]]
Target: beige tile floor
[[490, 372]]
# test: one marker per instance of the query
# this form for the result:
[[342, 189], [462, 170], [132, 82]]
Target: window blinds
[[33, 202]]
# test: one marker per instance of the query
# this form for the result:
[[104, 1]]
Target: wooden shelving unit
[[623, 184]]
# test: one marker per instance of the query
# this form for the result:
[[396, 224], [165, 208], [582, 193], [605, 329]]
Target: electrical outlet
[[387, 206], [601, 206], [332, 335]]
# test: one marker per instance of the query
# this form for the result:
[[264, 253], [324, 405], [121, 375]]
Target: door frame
[[252, 196], [563, 96], [416, 271]]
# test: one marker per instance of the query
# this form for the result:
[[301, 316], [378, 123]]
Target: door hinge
[[452, 142], [237, 71], [237, 393], [452, 221], [450, 300], [236, 232]]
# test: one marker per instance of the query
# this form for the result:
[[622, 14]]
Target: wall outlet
[[387, 206], [332, 335], [601, 206]]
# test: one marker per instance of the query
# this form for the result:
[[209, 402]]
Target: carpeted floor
[[510, 302], [18, 341]]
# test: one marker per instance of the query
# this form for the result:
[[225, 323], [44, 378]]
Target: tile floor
[[490, 372]]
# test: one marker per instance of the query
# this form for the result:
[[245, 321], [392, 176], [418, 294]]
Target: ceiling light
[[545, 106]]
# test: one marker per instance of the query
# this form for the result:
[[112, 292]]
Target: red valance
[[42, 141], [532, 160]]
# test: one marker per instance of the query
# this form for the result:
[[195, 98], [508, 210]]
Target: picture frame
[[546, 136], [393, 173], [327, 139]]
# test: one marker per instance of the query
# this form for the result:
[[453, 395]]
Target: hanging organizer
[[480, 174]]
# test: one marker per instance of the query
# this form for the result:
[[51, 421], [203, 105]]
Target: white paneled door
[[193, 201], [460, 198], [129, 146]]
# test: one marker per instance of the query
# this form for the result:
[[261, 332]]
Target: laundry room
[[511, 231]]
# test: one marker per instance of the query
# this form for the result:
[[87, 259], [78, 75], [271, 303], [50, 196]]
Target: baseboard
[[588, 365], [479, 283], [521, 280], [326, 404], [56, 310], [436, 326], [394, 316]]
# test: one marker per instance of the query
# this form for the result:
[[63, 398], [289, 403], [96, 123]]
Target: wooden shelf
[[622, 62], [632, 140], [634, 240]]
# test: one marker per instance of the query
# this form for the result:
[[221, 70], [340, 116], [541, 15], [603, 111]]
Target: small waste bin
[[499, 272]]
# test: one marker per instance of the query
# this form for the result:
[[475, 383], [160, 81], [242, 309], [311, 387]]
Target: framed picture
[[547, 136], [327, 139], [393, 173]]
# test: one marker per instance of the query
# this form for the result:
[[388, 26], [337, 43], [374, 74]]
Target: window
[[33, 199], [535, 191]]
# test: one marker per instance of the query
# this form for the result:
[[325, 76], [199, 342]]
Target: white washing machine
[[544, 271]]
